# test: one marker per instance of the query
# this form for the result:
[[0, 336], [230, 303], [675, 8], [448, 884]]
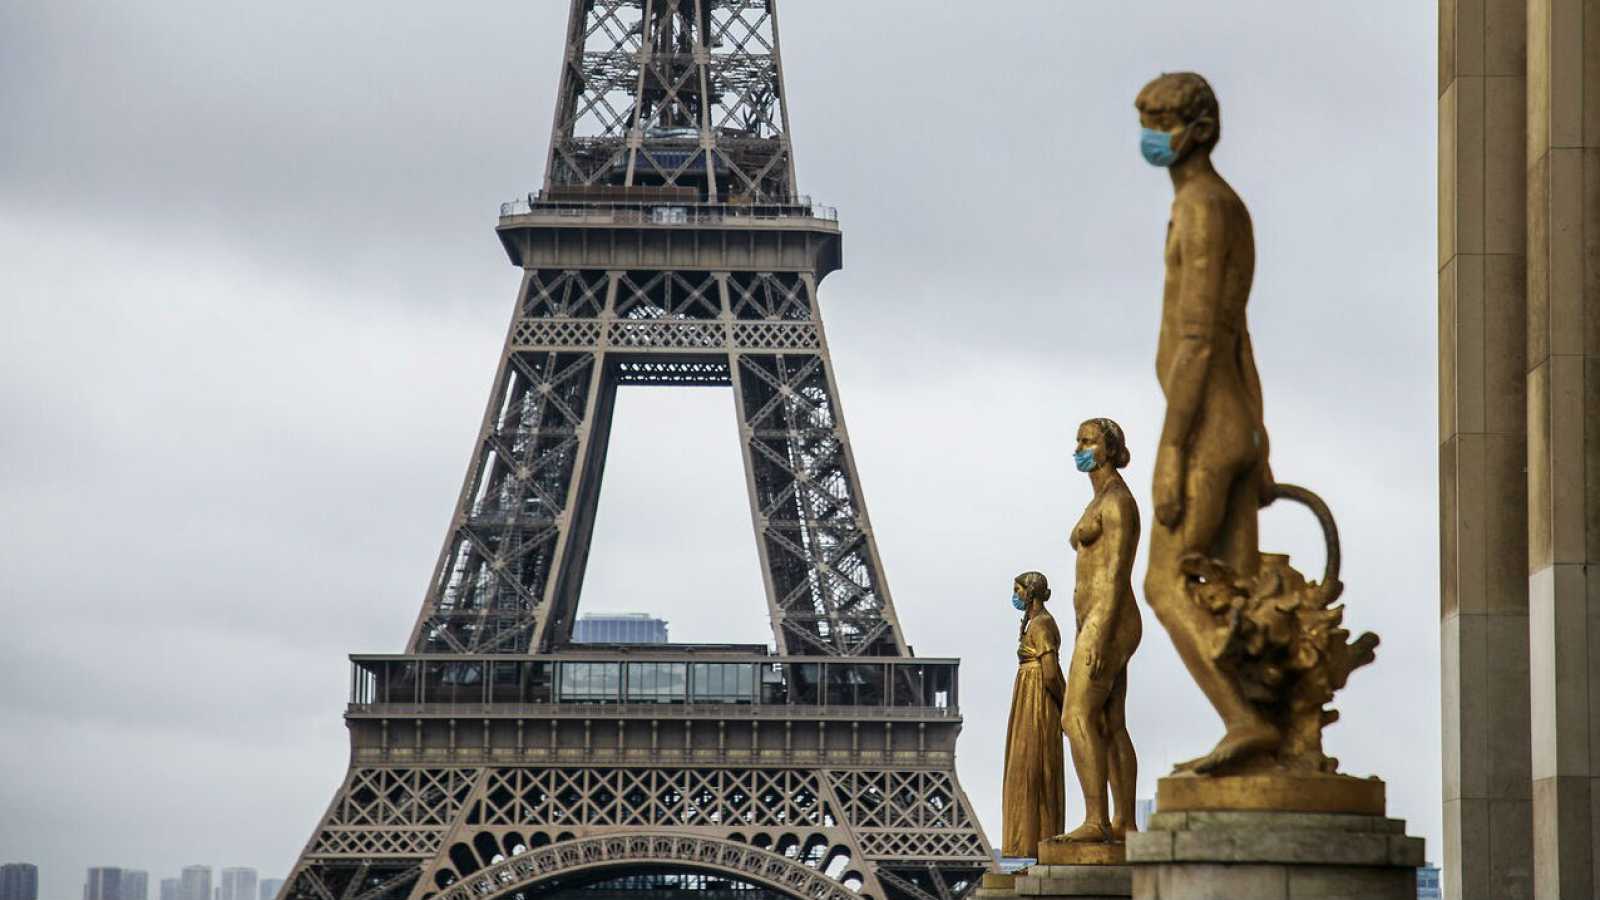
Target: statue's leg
[[1192, 629], [1123, 765], [1084, 721], [1238, 540], [1205, 507]]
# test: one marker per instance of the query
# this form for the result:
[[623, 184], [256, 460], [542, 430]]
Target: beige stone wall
[[1563, 383], [1519, 318], [1483, 449]]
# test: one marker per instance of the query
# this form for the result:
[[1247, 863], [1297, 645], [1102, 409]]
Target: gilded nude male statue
[[1211, 472], [1108, 631], [1262, 643]]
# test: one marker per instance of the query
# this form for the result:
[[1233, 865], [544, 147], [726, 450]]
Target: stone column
[[1482, 420], [1563, 241]]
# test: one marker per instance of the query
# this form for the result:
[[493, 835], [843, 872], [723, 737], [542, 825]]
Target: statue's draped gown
[[1033, 800]]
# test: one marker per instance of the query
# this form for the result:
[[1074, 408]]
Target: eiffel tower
[[668, 247]]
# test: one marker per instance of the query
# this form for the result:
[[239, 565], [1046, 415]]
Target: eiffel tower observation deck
[[668, 246]]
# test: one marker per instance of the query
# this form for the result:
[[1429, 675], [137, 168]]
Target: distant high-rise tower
[[194, 883], [1428, 886], [619, 628], [668, 248], [170, 888], [135, 885], [19, 881], [103, 883], [239, 883], [270, 888], [1143, 809]]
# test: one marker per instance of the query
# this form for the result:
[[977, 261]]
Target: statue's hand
[[1169, 486], [1268, 488], [1095, 661]]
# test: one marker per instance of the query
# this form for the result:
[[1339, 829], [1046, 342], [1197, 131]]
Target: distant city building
[[619, 628], [1143, 809], [238, 883], [135, 885], [194, 883], [169, 888], [270, 888], [19, 881], [1428, 887], [103, 883]]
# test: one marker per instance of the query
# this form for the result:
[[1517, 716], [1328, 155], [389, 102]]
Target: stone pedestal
[[1059, 851], [1078, 882], [1272, 792], [1047, 881], [996, 885], [1254, 855]]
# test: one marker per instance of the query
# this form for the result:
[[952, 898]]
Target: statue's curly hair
[[1116, 445], [1184, 93]]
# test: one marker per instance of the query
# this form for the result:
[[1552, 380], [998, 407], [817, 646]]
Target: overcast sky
[[253, 302]]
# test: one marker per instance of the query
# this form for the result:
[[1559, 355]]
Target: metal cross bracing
[[673, 93], [476, 777], [669, 247], [509, 577]]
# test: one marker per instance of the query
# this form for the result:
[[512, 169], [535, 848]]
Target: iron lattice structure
[[667, 247]]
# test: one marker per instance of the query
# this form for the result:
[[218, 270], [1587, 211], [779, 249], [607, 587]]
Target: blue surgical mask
[[1018, 602], [1085, 460], [1157, 147]]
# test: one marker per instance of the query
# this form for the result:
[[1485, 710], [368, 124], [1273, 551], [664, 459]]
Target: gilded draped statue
[[1033, 800], [1263, 644], [1108, 631]]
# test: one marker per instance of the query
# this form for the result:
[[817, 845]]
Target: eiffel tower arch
[[670, 247]]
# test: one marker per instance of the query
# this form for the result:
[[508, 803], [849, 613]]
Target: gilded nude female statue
[[1108, 631], [1033, 799]]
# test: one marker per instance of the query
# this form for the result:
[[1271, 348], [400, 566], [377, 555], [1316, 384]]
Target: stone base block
[[1077, 882], [1273, 856], [997, 885], [1261, 882], [1059, 852]]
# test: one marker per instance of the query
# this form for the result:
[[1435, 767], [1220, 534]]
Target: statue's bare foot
[[1088, 833], [1119, 830], [1238, 743]]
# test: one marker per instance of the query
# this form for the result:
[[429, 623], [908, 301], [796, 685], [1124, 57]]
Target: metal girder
[[462, 833], [512, 569], [674, 92]]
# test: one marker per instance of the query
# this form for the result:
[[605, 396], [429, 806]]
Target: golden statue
[[1263, 644], [1033, 801], [1108, 631]]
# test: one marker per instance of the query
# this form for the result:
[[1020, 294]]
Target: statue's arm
[[1203, 248], [1054, 684], [1050, 664]]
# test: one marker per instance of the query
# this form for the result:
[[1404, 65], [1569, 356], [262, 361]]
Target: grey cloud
[[256, 304]]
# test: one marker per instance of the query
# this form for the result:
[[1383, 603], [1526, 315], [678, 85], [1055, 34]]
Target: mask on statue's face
[[1085, 461], [1157, 147], [1018, 602]]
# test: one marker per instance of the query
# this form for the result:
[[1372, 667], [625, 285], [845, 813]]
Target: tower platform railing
[[666, 211], [657, 679]]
